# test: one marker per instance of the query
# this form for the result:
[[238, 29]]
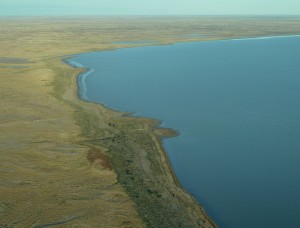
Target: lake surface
[[236, 104]]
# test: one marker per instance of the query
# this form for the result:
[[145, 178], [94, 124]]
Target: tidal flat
[[73, 163]]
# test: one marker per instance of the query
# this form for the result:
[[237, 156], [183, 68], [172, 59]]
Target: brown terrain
[[69, 163]]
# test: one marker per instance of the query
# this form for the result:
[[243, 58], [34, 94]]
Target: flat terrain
[[68, 163]]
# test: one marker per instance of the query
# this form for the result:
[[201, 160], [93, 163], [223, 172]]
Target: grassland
[[69, 163]]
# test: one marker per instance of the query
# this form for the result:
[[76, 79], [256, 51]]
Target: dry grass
[[45, 176]]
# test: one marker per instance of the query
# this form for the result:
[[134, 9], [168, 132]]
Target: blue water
[[236, 104]]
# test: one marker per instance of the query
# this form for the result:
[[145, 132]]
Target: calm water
[[237, 106]]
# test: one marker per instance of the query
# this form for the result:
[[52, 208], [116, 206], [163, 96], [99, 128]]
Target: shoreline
[[157, 137], [175, 42], [156, 123], [85, 71]]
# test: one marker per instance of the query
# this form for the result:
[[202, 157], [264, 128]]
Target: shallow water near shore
[[236, 105]]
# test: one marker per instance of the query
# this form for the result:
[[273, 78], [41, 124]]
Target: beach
[[74, 163]]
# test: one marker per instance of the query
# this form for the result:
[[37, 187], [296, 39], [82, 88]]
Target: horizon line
[[156, 15]]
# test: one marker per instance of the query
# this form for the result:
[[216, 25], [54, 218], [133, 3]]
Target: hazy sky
[[148, 7]]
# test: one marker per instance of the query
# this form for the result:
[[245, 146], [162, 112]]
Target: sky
[[149, 7]]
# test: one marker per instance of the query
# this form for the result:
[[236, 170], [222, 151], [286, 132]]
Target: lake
[[236, 104]]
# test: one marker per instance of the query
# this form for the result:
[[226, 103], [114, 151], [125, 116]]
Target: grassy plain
[[69, 163]]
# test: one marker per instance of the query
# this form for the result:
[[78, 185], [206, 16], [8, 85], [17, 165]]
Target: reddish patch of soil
[[95, 156]]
